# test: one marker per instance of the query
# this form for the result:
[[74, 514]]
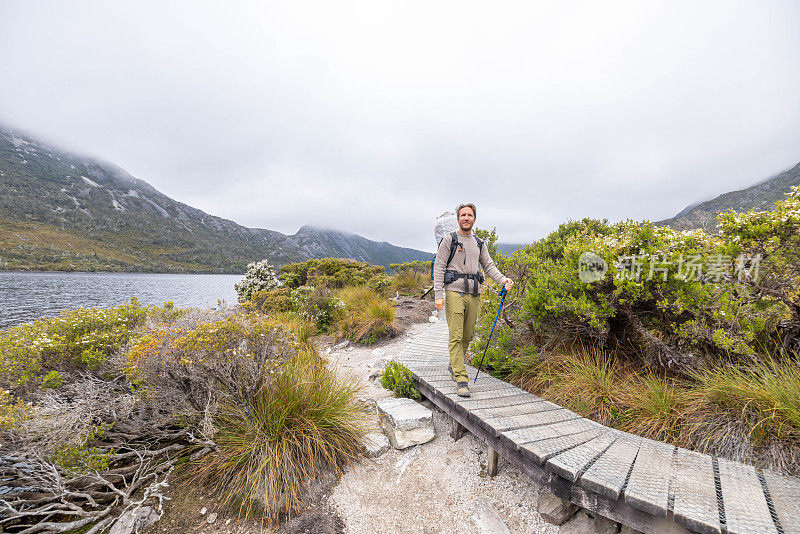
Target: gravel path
[[440, 486]]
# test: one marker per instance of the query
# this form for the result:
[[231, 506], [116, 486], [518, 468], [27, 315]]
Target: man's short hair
[[468, 205]]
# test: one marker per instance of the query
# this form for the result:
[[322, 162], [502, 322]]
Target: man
[[457, 288]]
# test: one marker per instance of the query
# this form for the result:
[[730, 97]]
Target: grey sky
[[374, 117]]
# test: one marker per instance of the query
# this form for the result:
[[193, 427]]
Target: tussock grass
[[410, 282], [303, 422], [585, 381], [747, 413], [368, 316], [765, 394], [654, 407]]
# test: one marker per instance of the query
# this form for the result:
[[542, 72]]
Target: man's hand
[[509, 284], [439, 304]]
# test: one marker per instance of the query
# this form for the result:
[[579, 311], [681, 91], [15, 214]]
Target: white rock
[[433, 319], [135, 521], [328, 350], [341, 345], [487, 520], [406, 422], [375, 444], [212, 518], [203, 511], [349, 349], [378, 352]]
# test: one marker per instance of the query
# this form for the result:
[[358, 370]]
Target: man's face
[[466, 218]]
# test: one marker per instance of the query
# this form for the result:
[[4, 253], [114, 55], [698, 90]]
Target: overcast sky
[[374, 117]]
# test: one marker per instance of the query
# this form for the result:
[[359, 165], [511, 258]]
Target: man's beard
[[468, 228]]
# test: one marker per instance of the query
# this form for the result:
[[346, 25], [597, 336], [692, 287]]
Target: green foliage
[[260, 276], [489, 240], [302, 422], [84, 457], [317, 304], [12, 411], [333, 273], [366, 316], [422, 267], [52, 380], [83, 337], [273, 300], [397, 377]]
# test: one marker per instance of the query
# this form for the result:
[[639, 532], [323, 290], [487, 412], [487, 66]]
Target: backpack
[[453, 247]]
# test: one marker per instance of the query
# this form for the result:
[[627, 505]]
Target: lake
[[25, 296]]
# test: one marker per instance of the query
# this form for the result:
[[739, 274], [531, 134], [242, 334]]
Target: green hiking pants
[[461, 311]]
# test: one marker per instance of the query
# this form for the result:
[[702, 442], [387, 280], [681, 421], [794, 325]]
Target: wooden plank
[[541, 450], [519, 437], [746, 508], [696, 506], [478, 388], [569, 464], [493, 418], [498, 425], [513, 400], [785, 495], [482, 395], [607, 474], [648, 486]]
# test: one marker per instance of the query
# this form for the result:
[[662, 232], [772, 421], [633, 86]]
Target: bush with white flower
[[260, 276]]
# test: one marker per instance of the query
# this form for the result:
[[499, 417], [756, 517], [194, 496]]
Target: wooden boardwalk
[[647, 485]]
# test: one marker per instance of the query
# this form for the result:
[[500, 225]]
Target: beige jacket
[[465, 261]]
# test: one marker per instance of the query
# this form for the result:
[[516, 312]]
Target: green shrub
[[52, 380], [84, 337], [276, 300], [12, 411], [317, 304], [333, 273], [305, 420], [367, 316], [422, 267], [396, 377]]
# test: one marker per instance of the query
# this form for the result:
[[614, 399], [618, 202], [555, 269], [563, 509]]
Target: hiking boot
[[452, 376], [463, 390]]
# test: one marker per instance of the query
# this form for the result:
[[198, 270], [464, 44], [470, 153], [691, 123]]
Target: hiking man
[[457, 288]]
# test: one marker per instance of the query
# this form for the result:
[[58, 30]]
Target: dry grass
[[301, 423], [749, 414], [654, 406], [368, 316], [765, 395], [585, 381], [410, 282]]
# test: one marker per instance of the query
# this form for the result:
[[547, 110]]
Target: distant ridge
[[761, 196], [65, 211]]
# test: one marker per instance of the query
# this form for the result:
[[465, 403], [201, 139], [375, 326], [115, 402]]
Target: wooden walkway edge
[[647, 485]]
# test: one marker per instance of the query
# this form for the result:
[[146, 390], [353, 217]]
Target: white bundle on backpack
[[446, 224]]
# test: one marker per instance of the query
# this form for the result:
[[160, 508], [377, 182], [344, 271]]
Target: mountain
[[66, 211], [761, 196]]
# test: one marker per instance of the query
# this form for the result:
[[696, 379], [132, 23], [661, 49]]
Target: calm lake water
[[25, 296]]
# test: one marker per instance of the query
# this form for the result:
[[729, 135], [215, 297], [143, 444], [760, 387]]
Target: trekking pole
[[503, 295]]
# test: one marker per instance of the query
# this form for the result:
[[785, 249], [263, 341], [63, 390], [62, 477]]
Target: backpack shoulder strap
[[480, 244], [453, 248]]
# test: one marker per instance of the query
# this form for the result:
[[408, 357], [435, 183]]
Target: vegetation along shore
[[101, 409]]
